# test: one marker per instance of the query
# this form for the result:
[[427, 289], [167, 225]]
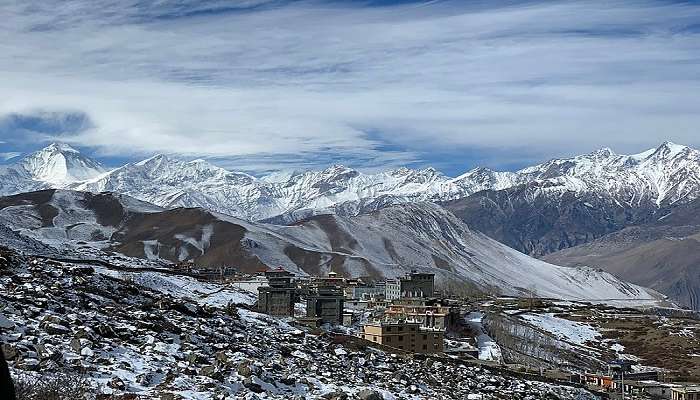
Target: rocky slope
[[385, 243], [663, 254], [125, 333]]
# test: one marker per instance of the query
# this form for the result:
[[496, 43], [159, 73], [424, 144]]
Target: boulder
[[368, 394]]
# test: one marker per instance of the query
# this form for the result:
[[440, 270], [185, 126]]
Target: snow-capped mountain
[[386, 243], [57, 165], [567, 202], [665, 175]]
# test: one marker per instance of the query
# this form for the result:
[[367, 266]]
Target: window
[[388, 339], [388, 329], [425, 337], [400, 338], [425, 347]]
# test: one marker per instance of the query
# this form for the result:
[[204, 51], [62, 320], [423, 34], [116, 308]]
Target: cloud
[[306, 83], [9, 155]]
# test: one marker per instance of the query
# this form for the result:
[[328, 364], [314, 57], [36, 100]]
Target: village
[[277, 335], [406, 315]]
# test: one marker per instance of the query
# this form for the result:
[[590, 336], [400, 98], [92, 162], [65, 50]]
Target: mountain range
[[562, 211], [386, 243], [651, 179]]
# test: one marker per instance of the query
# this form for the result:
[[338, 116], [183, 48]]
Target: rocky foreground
[[169, 337]]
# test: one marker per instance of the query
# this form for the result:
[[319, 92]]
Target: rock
[[56, 329], [340, 352], [251, 385], [368, 394], [116, 383], [208, 370], [6, 323], [86, 352], [75, 345], [246, 369], [10, 351]]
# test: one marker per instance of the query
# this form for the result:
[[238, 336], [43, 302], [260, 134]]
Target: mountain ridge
[[665, 175], [386, 243]]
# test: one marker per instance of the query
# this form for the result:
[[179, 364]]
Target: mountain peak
[[158, 158], [58, 147], [59, 163], [602, 153], [339, 169], [668, 150]]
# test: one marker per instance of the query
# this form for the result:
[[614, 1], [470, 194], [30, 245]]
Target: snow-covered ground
[[574, 332], [489, 350], [212, 294]]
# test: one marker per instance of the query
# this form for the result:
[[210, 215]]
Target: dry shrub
[[53, 386]]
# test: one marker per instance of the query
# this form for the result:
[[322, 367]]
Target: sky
[[263, 85]]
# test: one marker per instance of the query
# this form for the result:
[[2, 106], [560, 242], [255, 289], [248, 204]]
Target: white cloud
[[9, 155], [313, 78]]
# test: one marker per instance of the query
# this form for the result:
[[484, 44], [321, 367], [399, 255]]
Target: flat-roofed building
[[429, 316], [368, 291], [417, 284], [326, 303], [405, 335], [278, 297], [689, 392], [392, 289], [250, 284]]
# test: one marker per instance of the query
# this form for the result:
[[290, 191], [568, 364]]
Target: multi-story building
[[366, 292], [392, 289], [326, 303], [250, 284], [690, 392], [429, 316], [278, 297], [417, 284], [405, 335]]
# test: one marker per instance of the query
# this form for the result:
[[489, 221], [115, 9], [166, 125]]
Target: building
[[428, 316], [392, 289], [417, 284], [251, 284], [326, 303], [278, 297], [333, 279], [357, 305], [404, 335], [690, 392], [279, 278], [368, 291], [659, 390]]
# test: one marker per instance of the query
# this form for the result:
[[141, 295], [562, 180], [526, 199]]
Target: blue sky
[[260, 85]]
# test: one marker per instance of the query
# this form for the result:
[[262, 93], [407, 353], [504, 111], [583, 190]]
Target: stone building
[[278, 297], [417, 284], [326, 303], [405, 335]]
